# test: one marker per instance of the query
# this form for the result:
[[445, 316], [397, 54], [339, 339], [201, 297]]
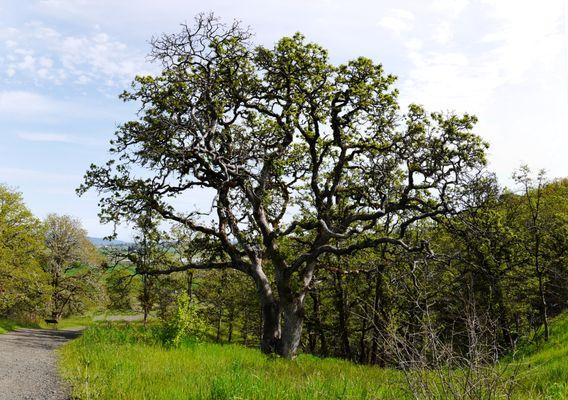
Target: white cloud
[[22, 103], [45, 137], [14, 175], [525, 38], [397, 21], [48, 55], [413, 44], [24, 107], [511, 72], [451, 8], [443, 33], [83, 139], [46, 62]]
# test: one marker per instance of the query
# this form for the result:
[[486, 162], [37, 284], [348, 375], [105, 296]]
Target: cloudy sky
[[63, 63]]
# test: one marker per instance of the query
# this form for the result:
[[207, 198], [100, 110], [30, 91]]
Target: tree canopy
[[296, 153], [70, 260], [22, 281]]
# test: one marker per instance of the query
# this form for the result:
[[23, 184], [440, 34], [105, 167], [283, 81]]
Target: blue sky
[[63, 64]]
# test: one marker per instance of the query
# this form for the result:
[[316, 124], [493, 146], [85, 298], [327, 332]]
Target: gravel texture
[[28, 367]]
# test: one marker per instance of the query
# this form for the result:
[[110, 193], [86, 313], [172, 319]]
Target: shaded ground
[[28, 364]]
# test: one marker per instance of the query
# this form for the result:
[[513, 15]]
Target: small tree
[[297, 154], [183, 323], [543, 227], [532, 192]]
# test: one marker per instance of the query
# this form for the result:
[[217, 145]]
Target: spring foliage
[[184, 323]]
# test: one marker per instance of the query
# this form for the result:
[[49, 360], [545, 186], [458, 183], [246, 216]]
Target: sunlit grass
[[69, 322], [7, 325], [543, 372], [124, 361]]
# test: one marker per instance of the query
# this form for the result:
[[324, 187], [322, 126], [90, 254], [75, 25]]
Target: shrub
[[184, 323]]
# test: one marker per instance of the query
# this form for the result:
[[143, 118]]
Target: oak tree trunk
[[292, 323]]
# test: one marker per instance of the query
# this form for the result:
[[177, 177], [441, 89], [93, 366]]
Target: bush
[[184, 323]]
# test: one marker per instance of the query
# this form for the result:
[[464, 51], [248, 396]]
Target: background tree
[[543, 217], [23, 284], [122, 288], [556, 246], [269, 132], [71, 261]]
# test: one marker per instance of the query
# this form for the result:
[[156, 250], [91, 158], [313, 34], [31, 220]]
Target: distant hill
[[100, 242]]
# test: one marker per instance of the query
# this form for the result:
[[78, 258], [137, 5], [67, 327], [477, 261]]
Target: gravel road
[[123, 318], [28, 369]]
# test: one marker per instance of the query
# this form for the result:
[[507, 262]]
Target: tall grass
[[121, 361], [70, 322], [124, 362], [544, 365], [7, 325]]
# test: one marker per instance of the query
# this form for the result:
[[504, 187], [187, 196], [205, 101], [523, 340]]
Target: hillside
[[101, 242], [544, 366]]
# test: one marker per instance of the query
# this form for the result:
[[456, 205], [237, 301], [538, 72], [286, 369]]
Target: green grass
[[122, 361], [70, 322], [7, 325], [543, 366]]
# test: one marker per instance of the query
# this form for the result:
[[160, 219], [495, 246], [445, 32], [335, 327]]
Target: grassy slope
[[70, 322], [114, 364], [544, 367], [7, 325], [120, 363]]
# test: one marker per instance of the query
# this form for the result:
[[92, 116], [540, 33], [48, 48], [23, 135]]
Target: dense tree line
[[482, 259], [481, 265]]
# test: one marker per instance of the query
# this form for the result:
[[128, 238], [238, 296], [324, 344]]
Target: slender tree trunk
[[146, 299], [543, 305], [377, 320], [190, 284], [231, 323], [314, 294], [219, 318], [378, 309], [535, 211], [540, 277], [245, 328], [503, 320], [343, 318], [362, 339], [55, 313], [221, 303], [312, 338]]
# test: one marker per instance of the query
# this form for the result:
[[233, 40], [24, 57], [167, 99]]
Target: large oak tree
[[301, 157]]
